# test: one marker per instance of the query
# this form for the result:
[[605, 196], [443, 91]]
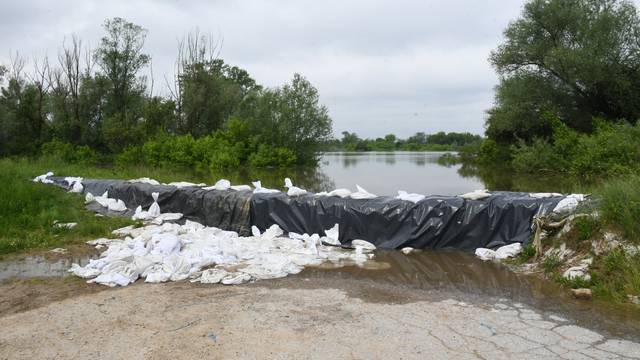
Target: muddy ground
[[437, 306]]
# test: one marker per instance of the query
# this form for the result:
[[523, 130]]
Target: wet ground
[[29, 282]]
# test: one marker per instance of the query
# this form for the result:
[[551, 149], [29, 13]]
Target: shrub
[[130, 155], [69, 153], [620, 205], [269, 156]]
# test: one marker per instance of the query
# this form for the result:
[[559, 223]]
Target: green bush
[[69, 153], [130, 155], [269, 156], [620, 205], [492, 152], [539, 156], [612, 150]]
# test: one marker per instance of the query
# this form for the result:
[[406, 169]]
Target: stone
[[582, 294]]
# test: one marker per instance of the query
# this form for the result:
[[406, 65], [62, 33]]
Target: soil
[[425, 305]]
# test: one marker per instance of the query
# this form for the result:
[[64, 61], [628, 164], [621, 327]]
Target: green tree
[[120, 58], [573, 58], [289, 117]]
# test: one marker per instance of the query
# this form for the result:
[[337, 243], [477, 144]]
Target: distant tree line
[[421, 141], [100, 103]]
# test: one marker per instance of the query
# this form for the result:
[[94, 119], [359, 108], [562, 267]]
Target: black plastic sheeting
[[228, 210], [437, 222]]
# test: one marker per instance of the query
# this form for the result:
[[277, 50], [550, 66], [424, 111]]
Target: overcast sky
[[380, 66]]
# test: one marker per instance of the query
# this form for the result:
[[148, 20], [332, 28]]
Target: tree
[[571, 59], [206, 90], [289, 117], [120, 58]]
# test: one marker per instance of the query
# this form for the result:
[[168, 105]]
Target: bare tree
[[195, 48], [39, 78]]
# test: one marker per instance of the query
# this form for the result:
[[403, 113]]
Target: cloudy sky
[[380, 66]]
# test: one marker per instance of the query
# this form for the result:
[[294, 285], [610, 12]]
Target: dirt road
[[294, 318]]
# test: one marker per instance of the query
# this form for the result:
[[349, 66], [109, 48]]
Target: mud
[[34, 281]]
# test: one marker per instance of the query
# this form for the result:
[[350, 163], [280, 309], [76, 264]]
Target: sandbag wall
[[437, 222]]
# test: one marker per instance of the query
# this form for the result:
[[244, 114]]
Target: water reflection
[[497, 178], [384, 173], [463, 276]]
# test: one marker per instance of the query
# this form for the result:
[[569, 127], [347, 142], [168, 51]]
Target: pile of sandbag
[[173, 252]]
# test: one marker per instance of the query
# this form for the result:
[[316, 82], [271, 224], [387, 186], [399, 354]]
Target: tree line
[[421, 141], [101, 103]]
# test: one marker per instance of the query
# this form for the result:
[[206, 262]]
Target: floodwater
[[448, 274], [384, 173]]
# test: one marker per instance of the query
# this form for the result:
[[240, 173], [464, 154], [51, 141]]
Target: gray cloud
[[380, 66]]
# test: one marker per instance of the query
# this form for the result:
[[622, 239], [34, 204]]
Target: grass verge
[[28, 211]]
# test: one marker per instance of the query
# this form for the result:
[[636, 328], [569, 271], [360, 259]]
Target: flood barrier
[[437, 222]]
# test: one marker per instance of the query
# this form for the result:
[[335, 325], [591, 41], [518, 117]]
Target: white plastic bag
[[362, 194], [414, 198], [293, 190], [260, 190]]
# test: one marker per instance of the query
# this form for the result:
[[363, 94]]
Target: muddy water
[[463, 276], [439, 273], [40, 266]]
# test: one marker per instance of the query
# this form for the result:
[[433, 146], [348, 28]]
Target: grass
[[620, 205], [28, 211], [616, 275], [551, 263]]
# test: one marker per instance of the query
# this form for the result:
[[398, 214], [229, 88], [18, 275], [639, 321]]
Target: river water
[[384, 173]]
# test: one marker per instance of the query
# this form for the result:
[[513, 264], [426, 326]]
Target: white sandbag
[[414, 198], [255, 231], [181, 184], [173, 252], [272, 232], [75, 184], [569, 203], [508, 251], [152, 213], [544, 195], [144, 180], [162, 218], [260, 190], [222, 184], [44, 178], [293, 190], [332, 236], [116, 205], [240, 187], [485, 254], [154, 209], [362, 194], [343, 193], [212, 276], [407, 250], [365, 245], [236, 278], [476, 195]]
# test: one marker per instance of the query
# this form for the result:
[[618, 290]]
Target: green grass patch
[[620, 205], [551, 263], [28, 211], [616, 275]]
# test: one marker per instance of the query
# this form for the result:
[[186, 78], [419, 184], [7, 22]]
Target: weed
[[551, 263]]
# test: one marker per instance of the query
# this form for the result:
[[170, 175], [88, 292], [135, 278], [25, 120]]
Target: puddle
[[463, 276], [40, 266], [454, 274]]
